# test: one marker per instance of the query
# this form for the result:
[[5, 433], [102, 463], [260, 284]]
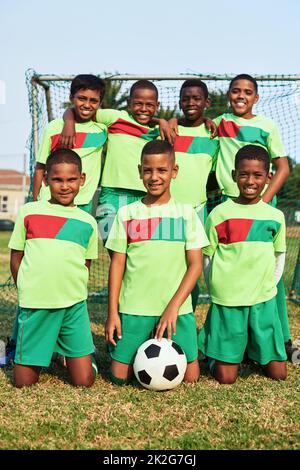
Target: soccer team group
[[153, 220]]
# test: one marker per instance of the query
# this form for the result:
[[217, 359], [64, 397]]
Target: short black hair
[[197, 83], [63, 156], [253, 152], [157, 147], [143, 84], [244, 76], [88, 82]]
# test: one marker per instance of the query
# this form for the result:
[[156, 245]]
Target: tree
[[291, 189], [114, 98], [219, 104]]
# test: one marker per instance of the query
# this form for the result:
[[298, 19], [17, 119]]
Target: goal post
[[279, 99]]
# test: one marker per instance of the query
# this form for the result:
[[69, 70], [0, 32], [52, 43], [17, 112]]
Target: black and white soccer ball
[[159, 365]]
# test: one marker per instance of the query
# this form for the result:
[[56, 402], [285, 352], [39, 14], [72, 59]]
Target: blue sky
[[66, 37]]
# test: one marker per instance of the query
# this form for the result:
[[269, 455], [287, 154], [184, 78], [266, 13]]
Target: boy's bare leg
[[276, 370], [81, 371], [226, 373], [25, 376], [192, 372], [121, 370]]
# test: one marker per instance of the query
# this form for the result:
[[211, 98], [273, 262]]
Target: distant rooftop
[[13, 179]]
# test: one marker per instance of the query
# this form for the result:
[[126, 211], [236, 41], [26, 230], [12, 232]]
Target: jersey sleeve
[[215, 155], [107, 116], [275, 145], [45, 147], [18, 237], [212, 237], [280, 238], [117, 239], [217, 120], [92, 249], [195, 233]]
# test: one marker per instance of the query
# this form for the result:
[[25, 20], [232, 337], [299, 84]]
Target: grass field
[[254, 413]]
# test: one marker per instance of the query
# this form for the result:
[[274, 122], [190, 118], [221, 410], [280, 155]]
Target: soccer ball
[[159, 365]]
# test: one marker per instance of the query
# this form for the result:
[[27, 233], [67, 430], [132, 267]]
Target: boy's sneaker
[[7, 353], [58, 360], [209, 364], [292, 351], [95, 359]]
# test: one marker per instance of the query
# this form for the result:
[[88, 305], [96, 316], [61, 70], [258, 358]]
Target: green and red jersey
[[126, 139], [56, 241], [234, 133], [195, 154], [155, 240], [243, 241], [90, 138]]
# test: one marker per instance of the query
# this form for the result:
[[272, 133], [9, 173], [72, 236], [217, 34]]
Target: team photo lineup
[[162, 238]]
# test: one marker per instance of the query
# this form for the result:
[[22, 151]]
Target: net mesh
[[279, 100]]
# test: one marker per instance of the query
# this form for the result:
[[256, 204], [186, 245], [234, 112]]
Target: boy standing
[[242, 127], [87, 92], [195, 151], [247, 246], [52, 246], [157, 245], [128, 132]]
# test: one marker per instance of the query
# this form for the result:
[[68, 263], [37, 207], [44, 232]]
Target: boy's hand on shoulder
[[167, 321], [173, 124], [113, 323], [211, 127], [166, 132], [67, 139]]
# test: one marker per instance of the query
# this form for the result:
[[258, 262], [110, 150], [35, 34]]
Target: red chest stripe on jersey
[[80, 138], [138, 230], [43, 226], [182, 143], [233, 230], [228, 129], [129, 128]]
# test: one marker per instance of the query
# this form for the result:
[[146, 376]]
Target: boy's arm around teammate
[[67, 138]]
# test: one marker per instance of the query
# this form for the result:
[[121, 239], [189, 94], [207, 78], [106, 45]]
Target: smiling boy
[[246, 260], [242, 127], [52, 246], [195, 151], [157, 259], [86, 94]]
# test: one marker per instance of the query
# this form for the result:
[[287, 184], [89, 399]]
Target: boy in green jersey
[[242, 127], [157, 259], [245, 262], [128, 132], [86, 94], [195, 152], [52, 246]]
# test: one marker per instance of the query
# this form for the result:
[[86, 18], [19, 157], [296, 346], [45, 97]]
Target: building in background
[[14, 187]]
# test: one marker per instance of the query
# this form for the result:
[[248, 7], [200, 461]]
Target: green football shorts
[[42, 331], [136, 329], [110, 201], [230, 331], [86, 207]]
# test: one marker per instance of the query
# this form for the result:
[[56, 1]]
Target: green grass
[[254, 413]]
